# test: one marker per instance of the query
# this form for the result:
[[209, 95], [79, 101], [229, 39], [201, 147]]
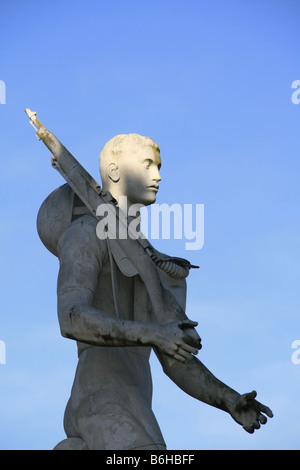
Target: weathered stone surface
[[116, 312]]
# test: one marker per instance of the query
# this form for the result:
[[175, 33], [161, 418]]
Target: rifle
[[141, 257], [91, 194]]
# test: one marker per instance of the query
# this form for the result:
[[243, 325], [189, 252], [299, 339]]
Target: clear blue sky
[[210, 82]]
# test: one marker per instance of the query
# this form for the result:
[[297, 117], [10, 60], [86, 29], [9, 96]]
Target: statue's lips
[[154, 187]]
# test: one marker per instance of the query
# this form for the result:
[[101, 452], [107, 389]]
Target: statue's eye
[[147, 163]]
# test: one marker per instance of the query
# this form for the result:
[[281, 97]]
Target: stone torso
[[110, 403]]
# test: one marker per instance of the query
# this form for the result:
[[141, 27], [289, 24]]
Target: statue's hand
[[249, 412], [178, 339], [191, 335]]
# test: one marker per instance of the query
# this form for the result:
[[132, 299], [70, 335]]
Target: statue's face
[[139, 175]]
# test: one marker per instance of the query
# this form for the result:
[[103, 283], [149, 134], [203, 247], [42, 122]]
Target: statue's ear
[[113, 172]]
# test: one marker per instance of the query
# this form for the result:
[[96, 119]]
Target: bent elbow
[[67, 321]]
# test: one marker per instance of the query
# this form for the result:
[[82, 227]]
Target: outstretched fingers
[[265, 409], [250, 428], [262, 419], [258, 411]]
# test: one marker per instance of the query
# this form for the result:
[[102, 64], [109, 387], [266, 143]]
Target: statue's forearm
[[197, 381], [80, 321], [90, 325]]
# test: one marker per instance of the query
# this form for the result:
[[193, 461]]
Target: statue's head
[[129, 166]]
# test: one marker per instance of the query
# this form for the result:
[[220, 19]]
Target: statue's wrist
[[231, 401], [148, 334], [141, 334]]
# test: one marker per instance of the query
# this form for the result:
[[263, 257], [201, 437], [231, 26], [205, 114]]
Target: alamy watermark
[[159, 221], [296, 343], [2, 352], [2, 92], [296, 354], [296, 94]]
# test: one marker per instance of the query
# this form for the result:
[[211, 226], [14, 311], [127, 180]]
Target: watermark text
[[296, 354], [296, 94], [2, 352], [160, 221], [2, 92]]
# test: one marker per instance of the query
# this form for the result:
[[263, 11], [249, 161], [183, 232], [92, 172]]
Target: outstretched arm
[[197, 381]]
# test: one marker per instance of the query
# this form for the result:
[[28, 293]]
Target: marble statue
[[117, 318]]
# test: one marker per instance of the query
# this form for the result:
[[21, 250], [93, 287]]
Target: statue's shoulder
[[80, 236]]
